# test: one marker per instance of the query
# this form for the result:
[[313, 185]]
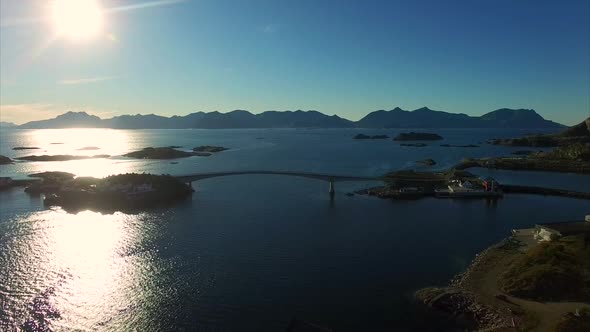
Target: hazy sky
[[338, 57]]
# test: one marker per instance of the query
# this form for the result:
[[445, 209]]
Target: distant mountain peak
[[397, 118], [504, 114], [70, 114]]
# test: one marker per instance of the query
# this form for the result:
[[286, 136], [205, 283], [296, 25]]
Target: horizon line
[[283, 111]]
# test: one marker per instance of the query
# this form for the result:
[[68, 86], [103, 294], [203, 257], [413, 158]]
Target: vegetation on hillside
[[553, 271], [579, 133], [424, 179], [166, 185], [576, 151]]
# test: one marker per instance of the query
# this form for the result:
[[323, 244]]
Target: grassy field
[[554, 271]]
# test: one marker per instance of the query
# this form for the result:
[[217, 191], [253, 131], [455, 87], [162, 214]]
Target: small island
[[172, 153], [5, 160], [363, 136], [25, 148], [412, 136], [117, 192], [209, 149], [64, 157], [88, 148], [427, 162], [159, 153]]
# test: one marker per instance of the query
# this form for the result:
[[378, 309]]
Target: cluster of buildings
[[462, 188]]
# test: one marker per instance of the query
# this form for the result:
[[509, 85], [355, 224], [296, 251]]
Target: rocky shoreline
[[458, 301], [475, 298]]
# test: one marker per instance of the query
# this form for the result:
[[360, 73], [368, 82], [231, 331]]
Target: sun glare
[[77, 19]]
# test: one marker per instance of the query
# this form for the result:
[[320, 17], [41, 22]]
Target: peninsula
[[578, 134], [530, 281]]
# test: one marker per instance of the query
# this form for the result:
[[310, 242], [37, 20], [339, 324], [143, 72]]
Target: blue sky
[[338, 57]]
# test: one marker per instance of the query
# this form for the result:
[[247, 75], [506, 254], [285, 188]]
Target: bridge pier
[[332, 191]]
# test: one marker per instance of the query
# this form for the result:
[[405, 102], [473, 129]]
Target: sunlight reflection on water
[[87, 264]]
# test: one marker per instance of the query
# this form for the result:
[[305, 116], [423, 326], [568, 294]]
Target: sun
[[77, 19]]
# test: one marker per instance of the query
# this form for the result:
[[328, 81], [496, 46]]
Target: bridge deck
[[317, 176]]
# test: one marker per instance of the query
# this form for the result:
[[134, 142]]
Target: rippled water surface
[[250, 252]]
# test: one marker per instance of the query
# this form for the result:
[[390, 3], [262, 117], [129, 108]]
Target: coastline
[[475, 301]]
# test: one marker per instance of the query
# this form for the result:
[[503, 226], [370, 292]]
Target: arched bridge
[[189, 178]]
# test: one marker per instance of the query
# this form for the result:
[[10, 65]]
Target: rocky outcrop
[[209, 149], [464, 307], [25, 148], [158, 153], [88, 148], [5, 160], [427, 162]]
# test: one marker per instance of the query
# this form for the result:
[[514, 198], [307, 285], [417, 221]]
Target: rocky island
[[159, 153], [88, 148], [64, 157], [5, 160], [209, 149], [25, 148], [173, 153], [426, 162], [114, 193], [412, 136]]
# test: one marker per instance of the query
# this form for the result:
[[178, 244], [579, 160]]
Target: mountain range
[[396, 118]]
